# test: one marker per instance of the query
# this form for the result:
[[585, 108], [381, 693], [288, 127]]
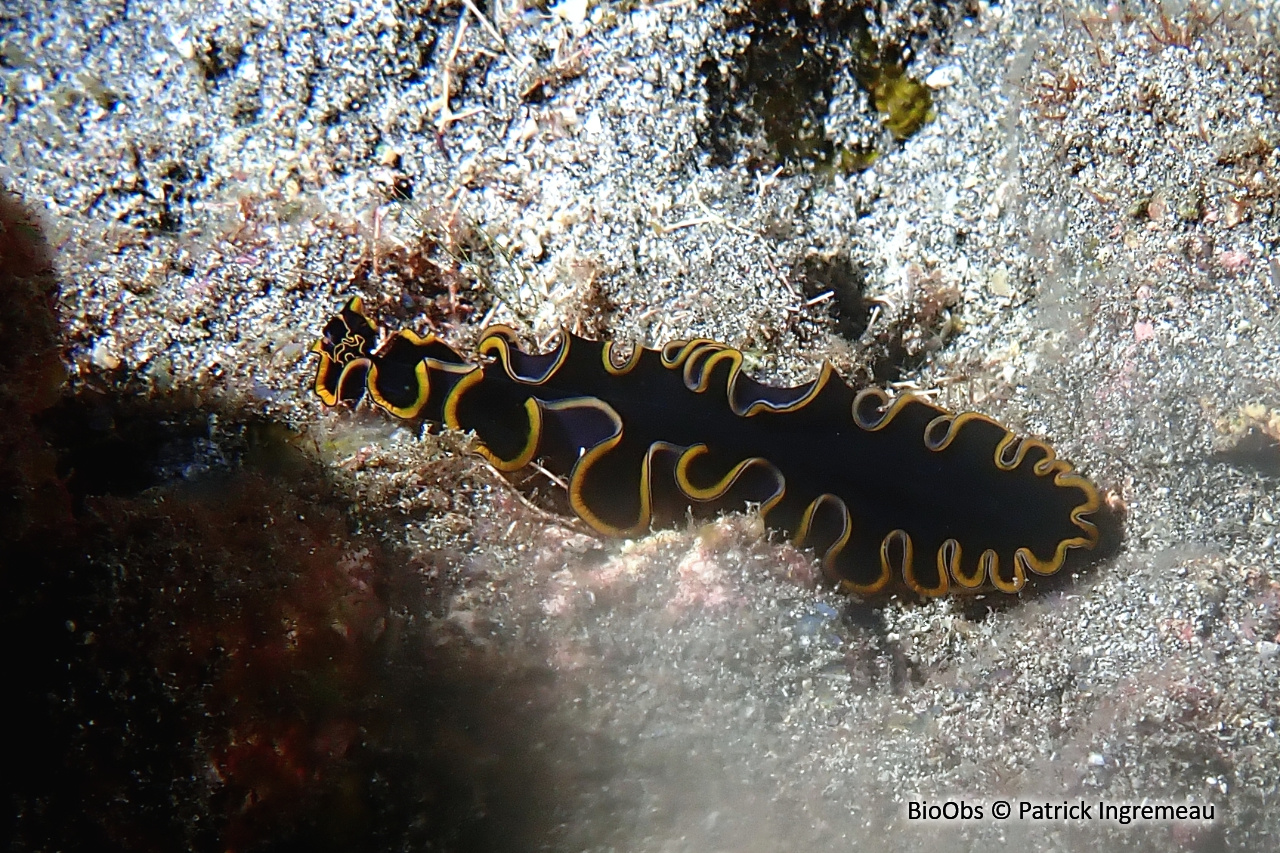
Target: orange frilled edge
[[888, 492]]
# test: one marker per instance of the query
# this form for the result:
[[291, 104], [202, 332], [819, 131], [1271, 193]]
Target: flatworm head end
[[409, 376], [345, 349]]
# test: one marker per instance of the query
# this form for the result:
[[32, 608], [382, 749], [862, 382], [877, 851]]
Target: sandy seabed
[[246, 621]]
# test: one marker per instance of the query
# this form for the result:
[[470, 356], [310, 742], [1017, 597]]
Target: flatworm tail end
[[993, 509]]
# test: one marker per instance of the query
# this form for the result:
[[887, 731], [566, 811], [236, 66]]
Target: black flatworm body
[[888, 492]]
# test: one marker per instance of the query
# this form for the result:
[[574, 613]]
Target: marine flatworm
[[889, 492]]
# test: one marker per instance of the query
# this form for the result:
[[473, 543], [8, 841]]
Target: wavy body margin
[[888, 492]]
